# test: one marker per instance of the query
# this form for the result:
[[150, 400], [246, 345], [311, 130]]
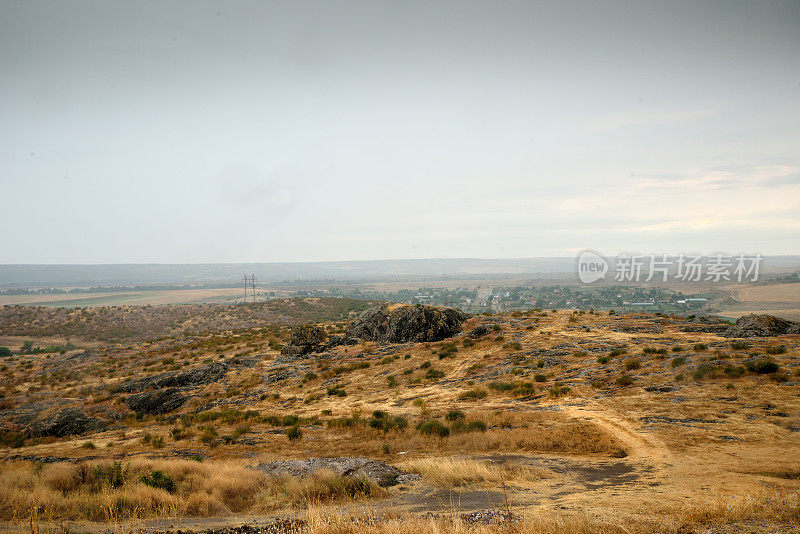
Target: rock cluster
[[376, 471], [407, 323], [156, 402], [309, 338], [193, 377], [762, 326], [65, 422]]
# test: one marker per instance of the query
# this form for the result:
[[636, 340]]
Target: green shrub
[[676, 362], [158, 479], [740, 345], [602, 360], [294, 433], [433, 428], [455, 415], [434, 374], [763, 366], [539, 377], [700, 347], [113, 475], [624, 380], [501, 386], [780, 349], [617, 352], [290, 420], [473, 394], [632, 363]]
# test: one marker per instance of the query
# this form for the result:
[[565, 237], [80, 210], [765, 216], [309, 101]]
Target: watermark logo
[[663, 268], [591, 266]]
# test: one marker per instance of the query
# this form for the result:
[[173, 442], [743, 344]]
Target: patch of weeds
[[473, 394], [624, 380]]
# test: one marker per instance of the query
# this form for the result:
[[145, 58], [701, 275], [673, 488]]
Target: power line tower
[[251, 282]]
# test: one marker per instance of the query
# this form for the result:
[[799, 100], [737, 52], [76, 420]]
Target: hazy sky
[[173, 131]]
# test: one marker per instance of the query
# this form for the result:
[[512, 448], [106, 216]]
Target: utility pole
[[251, 281]]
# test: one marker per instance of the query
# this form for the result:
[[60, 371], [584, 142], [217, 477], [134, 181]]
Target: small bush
[[624, 381], [700, 347], [501, 386], [434, 374], [455, 415], [158, 479], [763, 366], [539, 377], [433, 428], [677, 362], [632, 364], [603, 360], [780, 349], [473, 394], [294, 433], [740, 345], [617, 352]]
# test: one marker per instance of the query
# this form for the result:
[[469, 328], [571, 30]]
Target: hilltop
[[550, 420]]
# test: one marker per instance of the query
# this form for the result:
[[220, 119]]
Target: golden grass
[[76, 491], [453, 472]]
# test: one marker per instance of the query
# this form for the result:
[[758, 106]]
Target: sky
[[237, 131]]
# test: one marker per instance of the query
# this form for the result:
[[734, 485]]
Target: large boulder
[[754, 325], [406, 323], [306, 338], [310, 338], [156, 402], [194, 377], [376, 471], [65, 422]]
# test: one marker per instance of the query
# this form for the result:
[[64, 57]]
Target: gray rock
[[156, 402], [479, 331], [374, 470], [762, 326], [194, 377], [65, 422], [407, 323]]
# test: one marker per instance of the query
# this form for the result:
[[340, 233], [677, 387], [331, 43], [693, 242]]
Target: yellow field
[[175, 296], [781, 300]]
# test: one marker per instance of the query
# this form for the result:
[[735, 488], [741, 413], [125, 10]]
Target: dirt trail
[[638, 445]]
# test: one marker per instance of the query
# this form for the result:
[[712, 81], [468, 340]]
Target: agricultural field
[[543, 421], [782, 300]]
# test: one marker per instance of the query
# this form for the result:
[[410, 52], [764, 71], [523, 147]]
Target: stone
[[66, 422], [376, 471], [194, 377], [407, 323], [156, 402], [479, 331], [764, 325]]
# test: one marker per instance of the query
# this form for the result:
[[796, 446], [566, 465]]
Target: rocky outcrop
[[310, 338], [478, 331], [66, 422], [404, 323], [762, 326], [156, 402], [376, 471], [194, 377]]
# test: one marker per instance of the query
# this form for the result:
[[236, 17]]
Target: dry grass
[[453, 472], [780, 508], [77, 491]]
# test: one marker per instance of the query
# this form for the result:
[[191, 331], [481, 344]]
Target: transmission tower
[[251, 282]]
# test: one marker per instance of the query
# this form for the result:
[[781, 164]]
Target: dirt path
[[638, 445]]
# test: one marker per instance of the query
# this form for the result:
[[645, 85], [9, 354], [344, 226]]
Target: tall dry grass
[[75, 491], [454, 472]]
